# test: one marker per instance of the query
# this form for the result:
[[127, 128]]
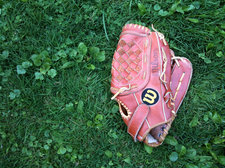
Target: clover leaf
[[96, 54], [73, 53], [69, 107], [173, 156], [94, 51], [39, 76], [36, 59], [163, 13], [44, 68], [14, 94], [101, 56], [26, 64], [46, 147], [52, 73], [61, 150], [62, 54], [20, 70], [44, 54], [4, 55], [90, 67], [219, 54], [157, 7]]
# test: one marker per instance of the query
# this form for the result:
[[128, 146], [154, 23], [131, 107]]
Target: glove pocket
[[130, 65]]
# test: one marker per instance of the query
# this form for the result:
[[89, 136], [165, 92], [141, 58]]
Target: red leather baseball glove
[[148, 82]]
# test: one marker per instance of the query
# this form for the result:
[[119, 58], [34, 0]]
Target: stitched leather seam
[[121, 112], [178, 87], [144, 75], [147, 123], [139, 27], [135, 98], [135, 137], [159, 74]]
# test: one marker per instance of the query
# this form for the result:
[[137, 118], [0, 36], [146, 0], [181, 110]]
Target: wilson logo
[[150, 96], [154, 63]]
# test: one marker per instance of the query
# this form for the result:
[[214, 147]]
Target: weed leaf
[[219, 140], [127, 160], [189, 8], [141, 8], [82, 49], [118, 154], [73, 53], [221, 160], [191, 153], [196, 4], [67, 65], [180, 9], [194, 121], [108, 153], [181, 149], [80, 106], [61, 150], [193, 20], [148, 149], [216, 118], [191, 166], [46, 147], [171, 141], [219, 54]]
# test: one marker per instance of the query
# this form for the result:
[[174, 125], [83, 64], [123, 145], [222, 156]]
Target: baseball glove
[[149, 83]]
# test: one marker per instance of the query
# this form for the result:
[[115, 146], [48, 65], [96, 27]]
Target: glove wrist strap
[[137, 120]]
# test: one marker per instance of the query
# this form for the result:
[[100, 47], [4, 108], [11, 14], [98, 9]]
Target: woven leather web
[[129, 57]]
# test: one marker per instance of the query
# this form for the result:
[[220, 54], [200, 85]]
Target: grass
[[65, 118]]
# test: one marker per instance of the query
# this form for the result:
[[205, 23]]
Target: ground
[[55, 64]]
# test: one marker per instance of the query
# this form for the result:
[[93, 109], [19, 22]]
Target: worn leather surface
[[142, 64]]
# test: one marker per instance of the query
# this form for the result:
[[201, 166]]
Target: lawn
[[55, 72]]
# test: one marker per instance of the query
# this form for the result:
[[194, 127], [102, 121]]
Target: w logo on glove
[[150, 96]]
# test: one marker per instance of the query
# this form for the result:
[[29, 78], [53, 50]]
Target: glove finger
[[180, 79]]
